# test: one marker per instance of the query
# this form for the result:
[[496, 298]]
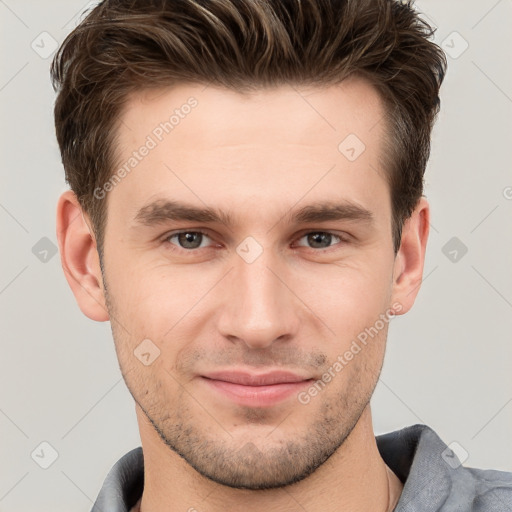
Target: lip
[[256, 379], [256, 390]]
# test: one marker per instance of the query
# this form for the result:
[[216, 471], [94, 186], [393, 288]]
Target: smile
[[263, 390]]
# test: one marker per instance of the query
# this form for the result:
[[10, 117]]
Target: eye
[[188, 240], [321, 239]]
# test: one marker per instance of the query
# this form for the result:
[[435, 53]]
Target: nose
[[259, 307]]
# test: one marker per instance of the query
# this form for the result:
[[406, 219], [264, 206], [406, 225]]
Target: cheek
[[168, 306], [152, 298], [347, 297]]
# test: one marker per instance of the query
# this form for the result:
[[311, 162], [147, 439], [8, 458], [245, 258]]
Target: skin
[[298, 306]]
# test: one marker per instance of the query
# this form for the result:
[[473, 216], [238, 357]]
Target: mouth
[[255, 390]]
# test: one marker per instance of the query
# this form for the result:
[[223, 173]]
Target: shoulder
[[435, 479], [492, 489]]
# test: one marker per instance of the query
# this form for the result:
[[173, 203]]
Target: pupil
[[317, 238], [187, 240]]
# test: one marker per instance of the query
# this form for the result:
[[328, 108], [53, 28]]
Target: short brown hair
[[123, 46]]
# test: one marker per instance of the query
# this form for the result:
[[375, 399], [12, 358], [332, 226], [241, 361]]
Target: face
[[248, 264]]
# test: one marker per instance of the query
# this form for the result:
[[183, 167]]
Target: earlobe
[[409, 261], [79, 258]]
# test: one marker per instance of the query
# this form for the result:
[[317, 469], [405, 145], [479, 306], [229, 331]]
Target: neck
[[354, 478]]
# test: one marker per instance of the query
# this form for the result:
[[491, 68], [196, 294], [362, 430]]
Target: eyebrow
[[163, 210]]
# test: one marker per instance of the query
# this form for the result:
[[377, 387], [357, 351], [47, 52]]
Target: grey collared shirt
[[433, 478]]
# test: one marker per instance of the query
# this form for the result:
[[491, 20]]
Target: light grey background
[[448, 361]]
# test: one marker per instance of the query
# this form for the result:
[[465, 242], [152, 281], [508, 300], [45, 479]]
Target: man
[[246, 210]]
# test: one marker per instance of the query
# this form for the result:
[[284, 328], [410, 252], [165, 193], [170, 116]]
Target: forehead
[[216, 146], [285, 114]]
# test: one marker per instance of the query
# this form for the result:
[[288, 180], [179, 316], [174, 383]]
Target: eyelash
[[166, 239]]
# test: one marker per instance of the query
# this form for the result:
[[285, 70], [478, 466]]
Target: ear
[[79, 257], [409, 261]]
